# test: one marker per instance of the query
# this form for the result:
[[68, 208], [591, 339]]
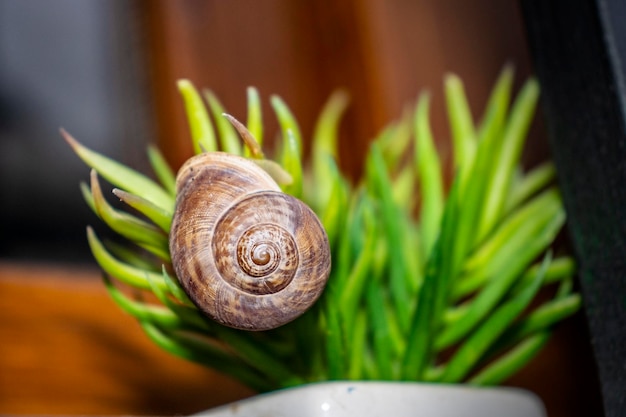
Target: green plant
[[426, 285]]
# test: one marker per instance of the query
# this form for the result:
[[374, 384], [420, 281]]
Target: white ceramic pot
[[393, 399]]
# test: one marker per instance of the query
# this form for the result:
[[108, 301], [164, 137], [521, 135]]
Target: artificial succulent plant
[[430, 281]]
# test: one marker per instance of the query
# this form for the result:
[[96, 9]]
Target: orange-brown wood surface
[[66, 348]]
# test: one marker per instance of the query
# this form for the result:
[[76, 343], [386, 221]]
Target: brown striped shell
[[248, 255]]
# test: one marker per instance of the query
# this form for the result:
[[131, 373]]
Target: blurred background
[[72, 64], [106, 71]]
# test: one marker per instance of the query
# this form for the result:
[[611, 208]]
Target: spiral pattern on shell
[[248, 255]]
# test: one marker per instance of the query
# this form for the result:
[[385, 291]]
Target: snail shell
[[248, 255]]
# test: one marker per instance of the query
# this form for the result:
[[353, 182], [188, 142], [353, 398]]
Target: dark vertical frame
[[578, 48]]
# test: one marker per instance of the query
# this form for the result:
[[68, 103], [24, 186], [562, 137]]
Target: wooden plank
[[66, 348]]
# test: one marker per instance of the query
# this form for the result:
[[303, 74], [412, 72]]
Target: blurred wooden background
[[383, 53], [65, 348]]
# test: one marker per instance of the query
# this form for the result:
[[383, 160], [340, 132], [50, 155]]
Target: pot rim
[[397, 398]]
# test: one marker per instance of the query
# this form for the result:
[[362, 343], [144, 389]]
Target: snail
[[248, 255]]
